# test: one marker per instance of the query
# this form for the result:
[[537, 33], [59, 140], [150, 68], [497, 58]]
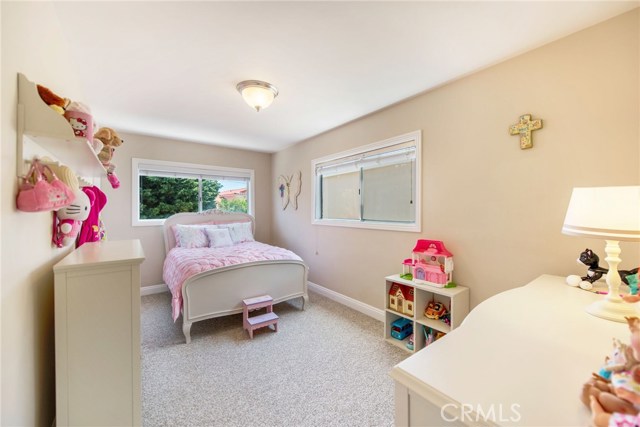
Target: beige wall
[[117, 213], [498, 208], [32, 44]]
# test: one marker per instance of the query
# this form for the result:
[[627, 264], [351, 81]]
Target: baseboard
[[153, 289], [363, 308]]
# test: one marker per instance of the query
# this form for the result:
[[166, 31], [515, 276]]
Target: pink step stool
[[255, 322]]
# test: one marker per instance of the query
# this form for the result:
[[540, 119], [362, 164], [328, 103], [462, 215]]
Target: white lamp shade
[[258, 94], [611, 213]]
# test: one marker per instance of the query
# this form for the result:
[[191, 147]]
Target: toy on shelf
[[401, 328], [80, 119], [435, 310], [55, 102], [401, 299], [110, 140], [431, 335], [410, 344], [430, 263]]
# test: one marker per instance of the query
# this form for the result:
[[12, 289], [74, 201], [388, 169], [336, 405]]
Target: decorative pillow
[[218, 237], [190, 236], [247, 234], [239, 231]]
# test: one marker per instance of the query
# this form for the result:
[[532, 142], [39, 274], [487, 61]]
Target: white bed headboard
[[212, 215]]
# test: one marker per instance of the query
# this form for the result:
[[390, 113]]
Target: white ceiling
[[170, 68]]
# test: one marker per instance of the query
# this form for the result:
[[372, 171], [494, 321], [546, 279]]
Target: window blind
[[402, 153]]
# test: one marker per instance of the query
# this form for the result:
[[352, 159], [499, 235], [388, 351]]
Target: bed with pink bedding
[[208, 282]]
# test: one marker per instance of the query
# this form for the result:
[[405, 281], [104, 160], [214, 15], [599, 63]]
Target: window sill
[[388, 226], [147, 222]]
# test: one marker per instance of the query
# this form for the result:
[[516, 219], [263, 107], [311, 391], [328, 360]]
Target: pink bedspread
[[181, 263]]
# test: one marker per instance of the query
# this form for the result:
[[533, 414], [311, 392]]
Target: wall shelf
[[44, 133]]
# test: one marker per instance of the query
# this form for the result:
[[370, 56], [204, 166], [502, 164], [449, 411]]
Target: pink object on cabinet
[[431, 263]]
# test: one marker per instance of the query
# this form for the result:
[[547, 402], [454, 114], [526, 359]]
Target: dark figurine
[[595, 272]]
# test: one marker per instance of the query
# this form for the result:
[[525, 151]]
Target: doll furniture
[[519, 359], [261, 321]]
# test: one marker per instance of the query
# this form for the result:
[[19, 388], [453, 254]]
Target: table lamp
[[612, 214]]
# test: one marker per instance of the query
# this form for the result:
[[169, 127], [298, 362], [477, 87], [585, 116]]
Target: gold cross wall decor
[[524, 128]]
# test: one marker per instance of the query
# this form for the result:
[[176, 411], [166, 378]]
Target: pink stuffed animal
[[68, 220], [92, 230]]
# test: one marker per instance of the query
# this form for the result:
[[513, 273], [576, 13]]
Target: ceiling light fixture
[[258, 94]]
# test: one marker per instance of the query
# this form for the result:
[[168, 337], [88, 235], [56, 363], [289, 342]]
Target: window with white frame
[[162, 188], [374, 186]]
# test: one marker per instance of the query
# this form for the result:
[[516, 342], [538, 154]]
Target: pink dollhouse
[[401, 299], [430, 263]]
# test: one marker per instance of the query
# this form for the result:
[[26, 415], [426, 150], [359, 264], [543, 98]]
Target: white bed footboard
[[220, 292]]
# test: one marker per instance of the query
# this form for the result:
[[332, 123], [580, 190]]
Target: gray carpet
[[326, 366]]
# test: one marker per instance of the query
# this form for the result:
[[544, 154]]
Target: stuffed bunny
[[68, 220]]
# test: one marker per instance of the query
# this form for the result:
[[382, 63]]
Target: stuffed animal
[[57, 103], [67, 221], [92, 229], [594, 271], [111, 140], [66, 175], [97, 145], [80, 119]]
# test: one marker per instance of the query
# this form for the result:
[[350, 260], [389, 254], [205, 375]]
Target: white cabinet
[[456, 300], [44, 133], [97, 332]]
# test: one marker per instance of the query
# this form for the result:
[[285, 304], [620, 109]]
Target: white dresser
[[97, 332], [518, 359]]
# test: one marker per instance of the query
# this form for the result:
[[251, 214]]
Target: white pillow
[[190, 236], [240, 231], [218, 237]]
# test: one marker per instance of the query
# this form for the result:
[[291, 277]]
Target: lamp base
[[615, 311]]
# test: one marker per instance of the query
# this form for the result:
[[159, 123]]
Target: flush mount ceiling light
[[259, 95]]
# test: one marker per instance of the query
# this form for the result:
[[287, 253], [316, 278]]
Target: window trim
[[180, 167], [416, 227]]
